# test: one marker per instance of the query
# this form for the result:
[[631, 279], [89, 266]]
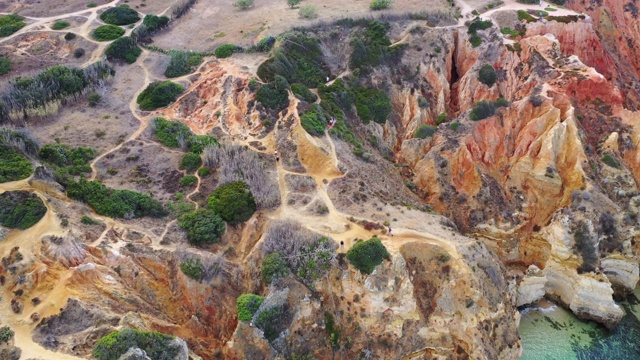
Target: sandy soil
[[214, 22], [42, 8]]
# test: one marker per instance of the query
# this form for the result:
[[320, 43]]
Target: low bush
[[226, 50], [274, 95], [372, 48], [371, 104], [13, 165], [487, 75], [155, 23], [67, 161], [157, 346], [379, 4], [478, 24], [92, 5], [171, 134], [509, 31], [124, 49], [308, 12], [269, 320], [87, 220], [159, 94], [366, 255], [475, 40], [59, 25], [313, 121], [182, 63], [188, 180], [20, 209], [243, 4], [441, 118], [264, 45], [114, 203], [423, 103], [204, 172], [107, 32], [203, 226], [93, 99], [303, 93], [190, 162], [530, 2], [234, 202], [484, 109], [454, 125], [5, 65], [247, 305], [274, 267], [425, 131], [293, 3], [193, 268], [563, 19], [69, 36], [523, 15], [6, 334], [78, 53], [11, 23], [611, 161], [558, 2], [120, 15]]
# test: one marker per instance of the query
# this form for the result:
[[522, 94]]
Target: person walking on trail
[[389, 232], [275, 153]]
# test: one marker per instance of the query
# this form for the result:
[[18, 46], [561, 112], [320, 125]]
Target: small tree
[[243, 4], [202, 226], [233, 201], [366, 255], [193, 268], [379, 4], [293, 3], [247, 305], [487, 75]]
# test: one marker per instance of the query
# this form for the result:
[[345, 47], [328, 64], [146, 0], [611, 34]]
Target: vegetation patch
[[611, 161], [487, 75], [10, 24], [159, 94], [477, 25], [202, 226], [193, 268], [5, 65], [59, 25], [299, 59], [313, 120], [564, 19], [203, 172], [188, 180], [124, 49], [303, 93], [190, 162], [308, 12], [120, 15], [523, 15], [371, 104], [182, 63], [243, 4], [379, 4], [71, 161], [226, 50], [234, 202], [107, 32], [372, 48], [274, 95], [425, 131], [6, 334], [87, 220], [454, 125], [114, 203], [171, 134], [157, 346], [366, 255], [509, 31], [20, 209], [154, 22], [247, 305], [484, 109], [13, 165], [268, 321], [274, 267]]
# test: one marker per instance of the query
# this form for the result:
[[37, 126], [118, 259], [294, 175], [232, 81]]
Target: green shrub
[[157, 346], [59, 25], [190, 162], [182, 63], [563, 19], [6, 334], [268, 321], [114, 203], [204, 172], [303, 93], [158, 94], [13, 165], [247, 305], [226, 50], [558, 2], [274, 267], [20, 209], [188, 180], [202, 226], [264, 45], [487, 75], [509, 31], [197, 143], [332, 330], [475, 40], [243, 4], [193, 268], [88, 220], [454, 125], [274, 95], [313, 121], [366, 255], [379, 4], [441, 118], [107, 32], [5, 65], [171, 133], [484, 109], [308, 12], [92, 5], [124, 49], [478, 24], [11, 23], [423, 103], [234, 202], [63, 155], [523, 15], [425, 131], [611, 161], [69, 36], [293, 3], [371, 104], [373, 48], [93, 98], [120, 15], [530, 2], [154, 23]]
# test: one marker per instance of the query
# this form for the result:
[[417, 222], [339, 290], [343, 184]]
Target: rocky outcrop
[[532, 286], [622, 272]]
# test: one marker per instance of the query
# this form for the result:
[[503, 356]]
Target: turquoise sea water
[[550, 332]]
